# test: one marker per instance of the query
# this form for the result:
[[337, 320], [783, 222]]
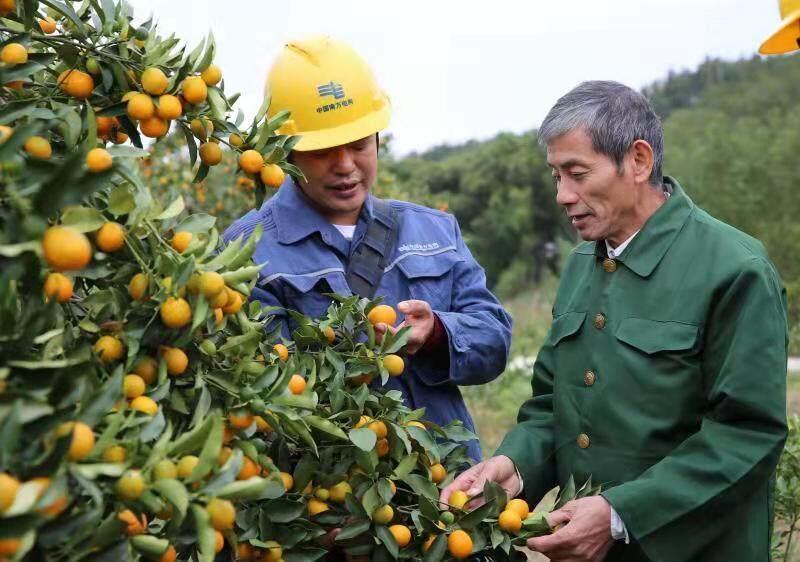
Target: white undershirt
[[347, 230], [614, 253]]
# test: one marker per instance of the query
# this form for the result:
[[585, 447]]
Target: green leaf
[[422, 486], [205, 534], [353, 530], [83, 219], [425, 440], [121, 201], [149, 545], [102, 401], [250, 489], [405, 466], [208, 56], [326, 426], [196, 223], [189, 442], [371, 500], [175, 493], [284, 510], [437, 550], [10, 431], [388, 540], [67, 11], [475, 517], [363, 438], [211, 448]]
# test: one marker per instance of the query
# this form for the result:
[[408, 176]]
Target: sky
[[468, 69]]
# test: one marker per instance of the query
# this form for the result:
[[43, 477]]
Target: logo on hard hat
[[331, 89]]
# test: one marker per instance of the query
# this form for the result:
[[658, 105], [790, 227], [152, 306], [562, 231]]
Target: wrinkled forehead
[[572, 149]]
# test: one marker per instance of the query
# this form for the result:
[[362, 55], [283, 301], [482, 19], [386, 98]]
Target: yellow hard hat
[[784, 40], [330, 92]]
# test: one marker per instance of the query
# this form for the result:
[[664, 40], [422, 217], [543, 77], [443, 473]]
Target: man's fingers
[[414, 308], [549, 543], [559, 517]]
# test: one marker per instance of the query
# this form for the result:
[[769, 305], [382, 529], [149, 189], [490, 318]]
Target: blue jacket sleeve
[[478, 328]]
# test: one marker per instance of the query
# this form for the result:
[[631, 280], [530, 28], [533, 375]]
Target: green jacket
[[664, 378]]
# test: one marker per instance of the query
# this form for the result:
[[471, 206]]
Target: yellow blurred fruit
[[459, 543], [240, 419], [288, 481], [144, 404], [222, 514], [109, 348], [133, 386], [251, 161], [98, 160], [362, 421], [9, 547], [177, 361], [394, 364], [165, 469], [56, 506], [210, 153], [218, 316], [219, 542], [235, 140], [141, 106], [297, 384], [180, 241], [154, 81], [339, 492], [82, 442], [7, 6], [315, 507], [137, 288], [382, 447], [186, 465], [14, 53], [383, 515], [234, 304], [211, 75], [147, 368], [224, 454], [38, 147], [458, 499], [194, 90], [262, 424], [133, 525], [281, 351], [5, 133], [210, 283], [169, 107], [273, 552], [175, 312], [417, 424], [509, 521], [382, 314], [111, 236], [130, 485], [248, 470], [154, 127], [330, 335], [379, 428], [201, 128], [47, 25], [65, 248], [520, 506], [272, 175], [428, 542], [58, 286], [115, 453], [76, 83], [401, 534], [8, 490], [170, 555], [438, 473]]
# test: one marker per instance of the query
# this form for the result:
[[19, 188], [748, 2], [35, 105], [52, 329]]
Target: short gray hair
[[613, 115]]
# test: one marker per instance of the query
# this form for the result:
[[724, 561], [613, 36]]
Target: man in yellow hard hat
[[787, 37], [326, 233]]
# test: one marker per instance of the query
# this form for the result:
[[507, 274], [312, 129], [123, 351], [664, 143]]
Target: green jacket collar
[[656, 236]]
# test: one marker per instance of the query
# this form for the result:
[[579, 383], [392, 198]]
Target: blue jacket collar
[[296, 218]]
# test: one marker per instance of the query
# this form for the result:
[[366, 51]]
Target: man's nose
[[343, 162], [565, 195]]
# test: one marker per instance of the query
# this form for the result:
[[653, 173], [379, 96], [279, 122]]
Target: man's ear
[[641, 154]]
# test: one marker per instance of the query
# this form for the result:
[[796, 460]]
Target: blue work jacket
[[306, 256]]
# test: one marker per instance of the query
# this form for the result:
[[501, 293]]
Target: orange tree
[[147, 411]]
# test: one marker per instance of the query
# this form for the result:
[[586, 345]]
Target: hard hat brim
[[784, 40], [343, 134]]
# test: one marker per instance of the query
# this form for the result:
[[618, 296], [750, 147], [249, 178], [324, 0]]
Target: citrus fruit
[[130, 485], [382, 447], [115, 453], [133, 386], [210, 153], [111, 236], [315, 507], [141, 106], [459, 543], [240, 419], [222, 514], [272, 175], [58, 286], [38, 147], [175, 312], [458, 499], [8, 490], [14, 53], [281, 351], [169, 107], [382, 314], [379, 428], [194, 90], [98, 160], [180, 241], [288, 481], [510, 521], [154, 127], [401, 534], [47, 25], [147, 368], [170, 555], [82, 439], [248, 470], [438, 473], [219, 542], [297, 384], [339, 492], [144, 404], [109, 348], [65, 248], [235, 140], [211, 75], [251, 161], [383, 514], [165, 469], [394, 364], [520, 506], [176, 360], [186, 465], [137, 288], [76, 83], [154, 81]]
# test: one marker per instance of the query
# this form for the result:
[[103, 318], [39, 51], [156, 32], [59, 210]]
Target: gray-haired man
[[663, 375]]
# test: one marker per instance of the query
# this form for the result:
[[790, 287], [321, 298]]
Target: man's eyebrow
[[568, 164]]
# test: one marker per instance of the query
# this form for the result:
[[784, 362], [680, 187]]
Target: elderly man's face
[[598, 199], [339, 178]]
